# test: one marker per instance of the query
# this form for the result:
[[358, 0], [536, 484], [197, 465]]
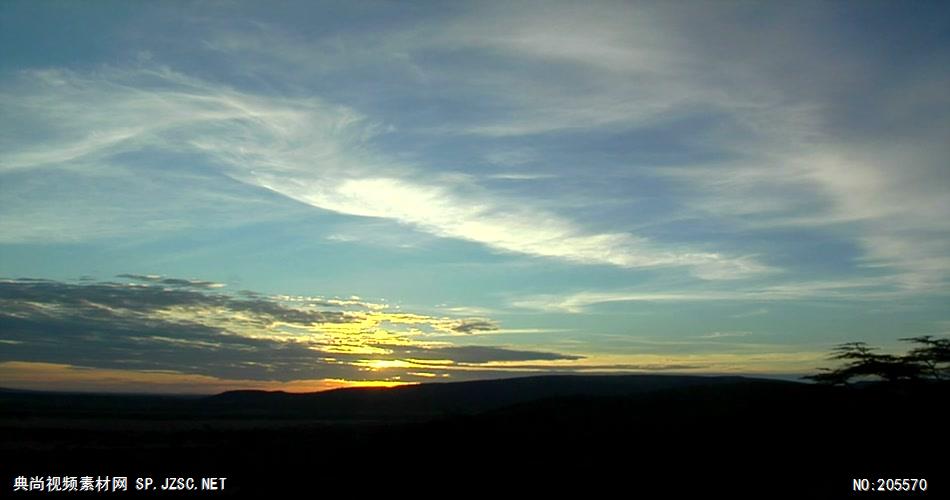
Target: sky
[[214, 195]]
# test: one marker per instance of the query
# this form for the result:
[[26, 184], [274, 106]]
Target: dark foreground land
[[586, 437]]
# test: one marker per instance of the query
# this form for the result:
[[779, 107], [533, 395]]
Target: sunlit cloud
[[180, 329], [44, 376], [310, 151], [784, 169], [150, 337], [154, 278]]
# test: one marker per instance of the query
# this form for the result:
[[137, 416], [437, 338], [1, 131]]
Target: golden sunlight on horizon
[[63, 377]]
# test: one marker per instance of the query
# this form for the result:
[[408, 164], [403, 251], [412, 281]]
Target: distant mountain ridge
[[665, 432], [462, 398], [430, 400]]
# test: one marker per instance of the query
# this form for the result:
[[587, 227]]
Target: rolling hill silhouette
[[446, 399], [543, 435]]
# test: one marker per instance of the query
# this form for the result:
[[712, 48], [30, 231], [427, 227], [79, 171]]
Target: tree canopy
[[929, 360]]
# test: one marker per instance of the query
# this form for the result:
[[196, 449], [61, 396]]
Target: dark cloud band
[[149, 325]]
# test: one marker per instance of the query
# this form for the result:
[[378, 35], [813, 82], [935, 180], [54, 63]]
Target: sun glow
[[382, 364]]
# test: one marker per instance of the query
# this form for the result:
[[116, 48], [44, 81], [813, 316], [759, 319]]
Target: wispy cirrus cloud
[[154, 278], [724, 335], [860, 290], [786, 150], [748, 314], [310, 151], [861, 149]]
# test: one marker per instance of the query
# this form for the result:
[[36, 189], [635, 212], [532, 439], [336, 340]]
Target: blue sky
[[473, 189]]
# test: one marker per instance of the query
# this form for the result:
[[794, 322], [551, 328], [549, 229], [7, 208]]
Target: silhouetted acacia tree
[[929, 361], [933, 355]]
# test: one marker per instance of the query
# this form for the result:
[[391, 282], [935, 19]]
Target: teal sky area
[[199, 196]]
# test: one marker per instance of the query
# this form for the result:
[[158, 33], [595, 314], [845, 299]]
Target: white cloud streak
[[638, 66], [623, 67], [862, 289], [310, 151]]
